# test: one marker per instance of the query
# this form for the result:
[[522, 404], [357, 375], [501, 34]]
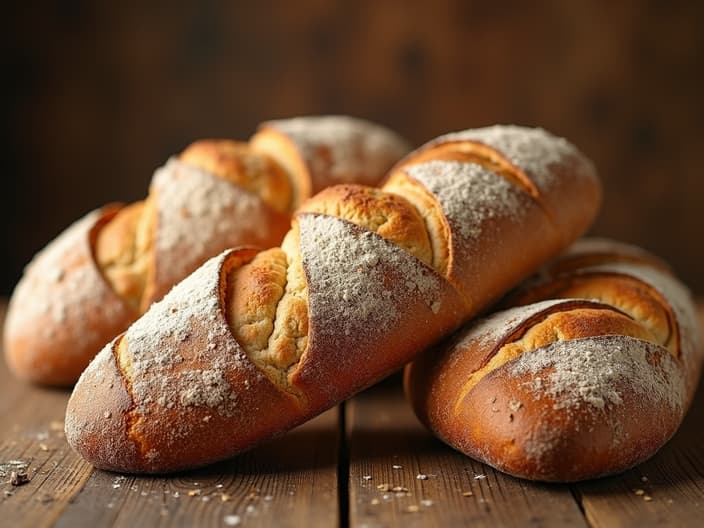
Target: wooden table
[[365, 463]]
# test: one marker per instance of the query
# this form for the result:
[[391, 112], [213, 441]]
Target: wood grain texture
[[418, 481], [32, 439], [293, 480], [290, 481]]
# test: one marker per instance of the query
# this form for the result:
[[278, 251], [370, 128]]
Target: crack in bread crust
[[132, 416], [267, 300], [238, 163], [563, 325], [125, 245], [431, 213], [122, 251], [628, 294], [387, 214], [487, 157]]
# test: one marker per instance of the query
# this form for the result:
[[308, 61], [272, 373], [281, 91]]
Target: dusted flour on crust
[[470, 196], [159, 374], [342, 149], [357, 276], [200, 215], [489, 217], [59, 308], [592, 372], [532, 150]]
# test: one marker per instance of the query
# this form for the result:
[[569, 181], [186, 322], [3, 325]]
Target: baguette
[[252, 344], [101, 274], [588, 374]]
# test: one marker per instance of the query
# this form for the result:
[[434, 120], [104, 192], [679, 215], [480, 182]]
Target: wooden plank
[[667, 490], [32, 438], [390, 450], [290, 481]]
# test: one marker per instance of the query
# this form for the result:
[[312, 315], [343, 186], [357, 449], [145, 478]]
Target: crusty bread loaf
[[217, 194], [252, 344], [588, 374]]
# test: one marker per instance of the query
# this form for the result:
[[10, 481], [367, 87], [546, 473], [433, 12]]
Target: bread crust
[[218, 194], [198, 215], [593, 393], [63, 310], [355, 304], [328, 150]]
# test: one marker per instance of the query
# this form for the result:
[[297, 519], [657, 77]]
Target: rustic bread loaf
[[97, 277], [252, 344], [590, 372]]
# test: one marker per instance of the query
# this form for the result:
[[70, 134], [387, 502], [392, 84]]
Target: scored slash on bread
[[217, 194], [252, 344], [589, 374]]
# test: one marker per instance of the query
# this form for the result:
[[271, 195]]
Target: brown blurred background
[[96, 95]]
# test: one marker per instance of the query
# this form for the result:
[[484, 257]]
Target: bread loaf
[[253, 344], [100, 275], [588, 374]]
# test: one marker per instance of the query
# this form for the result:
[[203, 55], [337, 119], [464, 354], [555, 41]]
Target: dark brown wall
[[96, 95]]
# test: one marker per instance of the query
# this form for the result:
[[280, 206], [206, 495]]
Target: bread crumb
[[413, 508], [366, 477], [421, 476], [19, 478], [467, 494], [383, 487], [232, 520], [426, 502], [396, 466], [639, 492]]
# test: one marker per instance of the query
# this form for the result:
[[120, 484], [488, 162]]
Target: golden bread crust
[[63, 310], [320, 152], [353, 293], [237, 162], [122, 249], [389, 215], [562, 388], [217, 194]]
